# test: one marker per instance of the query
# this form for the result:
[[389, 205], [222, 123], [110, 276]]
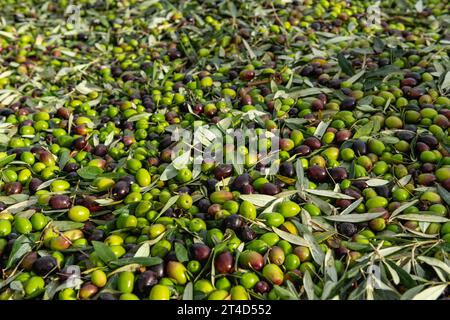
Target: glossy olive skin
[[224, 263]]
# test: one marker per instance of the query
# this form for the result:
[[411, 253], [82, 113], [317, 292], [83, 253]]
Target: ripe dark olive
[[312, 142], [203, 205], [446, 184], [429, 140], [361, 185], [428, 168], [248, 189], [241, 181], [421, 147], [302, 150], [384, 191], [406, 135], [348, 229], [120, 190], [100, 150], [343, 203], [44, 265], [348, 103], [270, 189], [33, 185], [343, 135], [224, 263], [287, 169], [158, 269], [247, 234], [338, 174], [317, 174], [59, 202], [146, 281], [71, 167], [200, 252], [359, 147], [13, 188], [262, 287], [233, 222]]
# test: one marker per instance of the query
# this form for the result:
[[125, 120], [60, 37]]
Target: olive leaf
[[188, 293], [328, 194], [443, 193], [365, 130], [66, 225], [181, 252], [21, 246], [291, 238], [432, 293], [4, 161], [103, 252], [352, 207], [345, 65], [259, 200], [308, 284], [423, 217], [142, 261], [143, 251], [357, 217], [89, 172]]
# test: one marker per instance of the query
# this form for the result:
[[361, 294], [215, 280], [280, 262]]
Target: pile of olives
[[98, 202]]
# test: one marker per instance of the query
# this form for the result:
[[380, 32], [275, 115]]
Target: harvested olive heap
[[98, 200]]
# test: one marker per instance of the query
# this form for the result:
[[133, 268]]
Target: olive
[[270, 189], [241, 181], [146, 281], [312, 142], [224, 263], [58, 202], [13, 188], [44, 265], [233, 222], [317, 174], [252, 259], [200, 252], [120, 190], [223, 171], [338, 174], [287, 169]]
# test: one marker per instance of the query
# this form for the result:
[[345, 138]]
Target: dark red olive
[[247, 75], [317, 105], [79, 143], [120, 190], [410, 82], [248, 189], [34, 184], [224, 263], [13, 188], [446, 184], [261, 287], [343, 135], [338, 174], [63, 112], [270, 189], [428, 168], [146, 281], [71, 167], [421, 147], [302, 150], [317, 174], [200, 252], [44, 265], [312, 142], [343, 203], [352, 192], [60, 201], [100, 150]]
